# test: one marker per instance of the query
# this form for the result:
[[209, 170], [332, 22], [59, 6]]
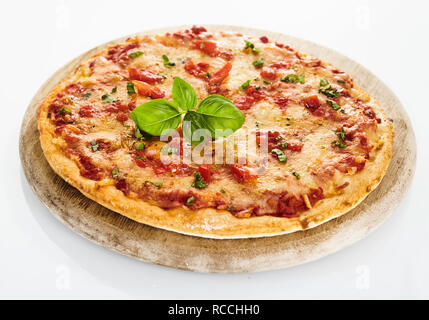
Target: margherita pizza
[[321, 144]]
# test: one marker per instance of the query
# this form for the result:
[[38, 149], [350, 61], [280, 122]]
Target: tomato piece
[[264, 39], [256, 94], [146, 90], [123, 186], [157, 93], [244, 102], [87, 112], [295, 146], [198, 70], [144, 75], [281, 65], [219, 76], [281, 101], [206, 172], [208, 47], [71, 139], [121, 117], [268, 73], [242, 173], [198, 30], [312, 102], [143, 88]]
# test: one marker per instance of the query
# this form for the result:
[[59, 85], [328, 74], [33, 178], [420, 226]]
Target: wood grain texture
[[153, 245]]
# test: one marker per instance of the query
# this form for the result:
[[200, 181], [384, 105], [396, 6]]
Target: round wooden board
[[167, 248]]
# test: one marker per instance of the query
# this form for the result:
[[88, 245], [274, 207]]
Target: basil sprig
[[217, 115]]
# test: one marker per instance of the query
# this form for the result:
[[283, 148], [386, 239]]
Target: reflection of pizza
[[329, 141]]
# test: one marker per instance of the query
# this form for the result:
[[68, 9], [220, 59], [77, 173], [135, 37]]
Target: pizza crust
[[212, 223]]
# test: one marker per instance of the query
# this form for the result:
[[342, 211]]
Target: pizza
[[321, 143]]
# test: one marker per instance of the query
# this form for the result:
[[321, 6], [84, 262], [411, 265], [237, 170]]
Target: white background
[[41, 258]]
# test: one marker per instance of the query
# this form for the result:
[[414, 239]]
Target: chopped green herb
[[257, 87], [282, 144], [199, 182], [87, 95], [341, 134], [223, 190], [190, 201], [280, 155], [341, 81], [170, 150], [331, 92], [140, 146], [136, 54], [296, 174], [266, 82], [115, 88], [107, 98], [323, 82], [258, 63], [293, 78], [94, 145], [249, 45], [338, 144], [167, 62], [115, 173], [64, 110], [140, 158], [203, 43], [245, 85], [130, 88], [208, 75], [334, 105], [156, 184]]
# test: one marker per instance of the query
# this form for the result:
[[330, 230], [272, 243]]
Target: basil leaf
[[156, 116], [183, 94], [220, 113], [192, 122]]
